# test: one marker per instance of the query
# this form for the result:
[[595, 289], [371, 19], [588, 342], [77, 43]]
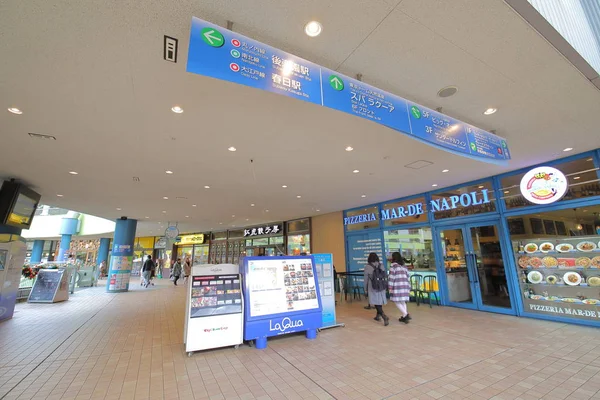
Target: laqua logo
[[285, 324], [216, 269], [208, 330]]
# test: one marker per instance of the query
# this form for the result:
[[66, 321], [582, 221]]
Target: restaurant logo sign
[[264, 230], [192, 239], [544, 185], [357, 219]]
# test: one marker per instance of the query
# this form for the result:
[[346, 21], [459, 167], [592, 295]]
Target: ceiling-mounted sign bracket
[[230, 25], [170, 47]]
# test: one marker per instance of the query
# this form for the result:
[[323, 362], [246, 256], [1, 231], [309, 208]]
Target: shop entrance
[[475, 271]]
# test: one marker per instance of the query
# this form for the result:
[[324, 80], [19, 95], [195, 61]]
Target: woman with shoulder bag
[[399, 286], [376, 283]]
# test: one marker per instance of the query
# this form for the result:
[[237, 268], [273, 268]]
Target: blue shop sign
[[442, 204], [357, 219], [222, 54]]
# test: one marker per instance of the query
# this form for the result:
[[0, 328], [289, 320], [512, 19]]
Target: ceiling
[[92, 74]]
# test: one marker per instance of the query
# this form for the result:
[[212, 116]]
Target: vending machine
[[214, 308]]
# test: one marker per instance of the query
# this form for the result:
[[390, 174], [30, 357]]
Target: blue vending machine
[[281, 295]]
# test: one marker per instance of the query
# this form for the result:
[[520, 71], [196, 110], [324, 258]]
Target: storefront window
[[404, 212], [298, 244], [415, 245], [200, 254], [299, 225], [558, 262], [467, 200], [582, 176], [364, 218]]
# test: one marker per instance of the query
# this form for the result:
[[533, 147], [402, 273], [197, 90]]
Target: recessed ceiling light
[[164, 212], [74, 173], [577, 177], [447, 91], [584, 210], [445, 170], [490, 111], [193, 205], [187, 216], [247, 219], [313, 28], [318, 210], [177, 109], [266, 210], [169, 172], [231, 148], [355, 171], [252, 205], [284, 186], [363, 196], [165, 198], [118, 209], [15, 110], [349, 148], [220, 223], [206, 187], [146, 217], [434, 185], [59, 195], [568, 149], [233, 216], [298, 196]]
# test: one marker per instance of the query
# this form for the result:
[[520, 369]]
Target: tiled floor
[[129, 346]]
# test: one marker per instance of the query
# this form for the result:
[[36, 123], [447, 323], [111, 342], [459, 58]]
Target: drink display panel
[[215, 295]]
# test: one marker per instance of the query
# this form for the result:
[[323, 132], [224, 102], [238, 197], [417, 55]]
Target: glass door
[[474, 266]]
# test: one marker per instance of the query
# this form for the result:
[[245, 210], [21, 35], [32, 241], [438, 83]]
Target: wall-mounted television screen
[[17, 204]]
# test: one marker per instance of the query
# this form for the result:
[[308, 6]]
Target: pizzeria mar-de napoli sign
[[442, 204]]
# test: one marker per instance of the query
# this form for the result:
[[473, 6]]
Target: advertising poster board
[[121, 263], [12, 257], [281, 296], [51, 286], [324, 267], [215, 308]]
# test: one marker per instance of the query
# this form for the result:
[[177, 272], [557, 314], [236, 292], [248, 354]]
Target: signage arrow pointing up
[[336, 82], [213, 37]]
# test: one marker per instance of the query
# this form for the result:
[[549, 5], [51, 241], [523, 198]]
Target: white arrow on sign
[[337, 82], [212, 39]]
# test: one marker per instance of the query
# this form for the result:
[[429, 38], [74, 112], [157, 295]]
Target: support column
[[36, 252], [121, 259], [65, 246], [103, 251]]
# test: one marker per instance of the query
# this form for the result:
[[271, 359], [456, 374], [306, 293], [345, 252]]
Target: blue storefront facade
[[484, 245]]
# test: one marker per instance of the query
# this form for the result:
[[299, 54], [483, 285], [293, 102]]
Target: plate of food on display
[[572, 278], [586, 246], [591, 301], [566, 263], [546, 247], [536, 297], [550, 262], [553, 298], [583, 262], [564, 247], [535, 277], [570, 300], [531, 248], [551, 280], [535, 262], [593, 281], [524, 261], [595, 262]]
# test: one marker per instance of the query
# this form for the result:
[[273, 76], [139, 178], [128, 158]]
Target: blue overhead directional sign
[[219, 53]]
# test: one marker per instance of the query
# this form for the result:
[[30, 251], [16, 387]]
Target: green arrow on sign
[[473, 146], [213, 37], [336, 82], [415, 112]]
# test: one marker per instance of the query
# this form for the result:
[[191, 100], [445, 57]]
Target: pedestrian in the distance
[[376, 284], [147, 271], [187, 269], [176, 271], [399, 286]]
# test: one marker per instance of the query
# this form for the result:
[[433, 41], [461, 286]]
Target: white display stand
[[214, 314], [51, 286]]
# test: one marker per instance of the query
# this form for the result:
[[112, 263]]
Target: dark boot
[[386, 320], [368, 307], [377, 317]]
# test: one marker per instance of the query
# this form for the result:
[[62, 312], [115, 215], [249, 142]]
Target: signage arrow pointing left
[[213, 37]]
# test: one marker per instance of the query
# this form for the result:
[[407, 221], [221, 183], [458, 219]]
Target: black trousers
[[175, 279], [379, 310]]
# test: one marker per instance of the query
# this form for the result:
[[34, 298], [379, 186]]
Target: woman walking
[[376, 286], [399, 286], [176, 272]]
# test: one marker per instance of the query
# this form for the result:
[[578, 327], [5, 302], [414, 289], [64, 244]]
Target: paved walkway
[[129, 346]]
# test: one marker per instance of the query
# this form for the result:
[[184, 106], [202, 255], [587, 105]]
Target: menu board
[[281, 286], [215, 295], [46, 285]]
